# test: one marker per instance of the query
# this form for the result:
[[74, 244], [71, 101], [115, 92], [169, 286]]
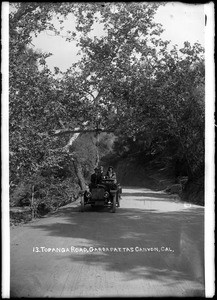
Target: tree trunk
[[79, 175], [97, 150], [32, 203]]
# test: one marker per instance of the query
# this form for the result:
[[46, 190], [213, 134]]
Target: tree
[[109, 61], [126, 81], [33, 100], [170, 114]]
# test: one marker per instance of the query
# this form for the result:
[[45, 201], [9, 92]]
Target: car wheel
[[114, 204], [118, 200], [82, 203]]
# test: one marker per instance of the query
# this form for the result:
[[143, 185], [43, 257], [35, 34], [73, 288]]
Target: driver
[[94, 179], [101, 176]]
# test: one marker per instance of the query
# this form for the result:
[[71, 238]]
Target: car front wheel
[[114, 204], [82, 203]]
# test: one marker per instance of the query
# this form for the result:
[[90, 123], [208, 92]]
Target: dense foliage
[[127, 81], [168, 116]]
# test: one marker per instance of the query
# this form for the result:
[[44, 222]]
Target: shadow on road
[[176, 231]]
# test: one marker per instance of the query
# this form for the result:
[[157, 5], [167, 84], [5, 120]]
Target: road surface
[[151, 246]]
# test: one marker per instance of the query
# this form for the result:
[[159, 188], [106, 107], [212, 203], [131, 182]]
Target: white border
[[209, 152], [5, 153], [209, 157]]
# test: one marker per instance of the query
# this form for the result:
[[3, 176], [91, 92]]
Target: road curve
[[151, 246]]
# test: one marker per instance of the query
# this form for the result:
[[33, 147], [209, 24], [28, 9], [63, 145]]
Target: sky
[[182, 22]]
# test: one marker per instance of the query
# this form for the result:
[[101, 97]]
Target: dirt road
[[152, 246]]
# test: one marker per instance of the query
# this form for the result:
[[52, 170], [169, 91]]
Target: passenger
[[114, 185], [111, 174]]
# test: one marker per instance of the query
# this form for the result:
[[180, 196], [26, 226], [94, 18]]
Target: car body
[[104, 194]]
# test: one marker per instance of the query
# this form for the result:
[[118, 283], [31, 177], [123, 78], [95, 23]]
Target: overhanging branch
[[67, 131]]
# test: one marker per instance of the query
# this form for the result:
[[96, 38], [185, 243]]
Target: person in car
[[94, 178], [110, 174], [101, 176]]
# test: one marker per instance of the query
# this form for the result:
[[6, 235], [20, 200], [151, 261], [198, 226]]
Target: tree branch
[[67, 131], [23, 10]]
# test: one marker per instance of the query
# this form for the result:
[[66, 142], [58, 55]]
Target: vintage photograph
[[107, 149]]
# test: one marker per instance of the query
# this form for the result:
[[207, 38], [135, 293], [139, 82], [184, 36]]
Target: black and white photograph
[[108, 139]]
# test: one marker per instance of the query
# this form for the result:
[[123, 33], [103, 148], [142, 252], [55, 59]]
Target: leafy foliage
[[36, 155], [152, 97], [170, 114], [127, 81]]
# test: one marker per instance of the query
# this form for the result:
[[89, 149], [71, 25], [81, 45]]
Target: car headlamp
[[88, 194], [106, 195]]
